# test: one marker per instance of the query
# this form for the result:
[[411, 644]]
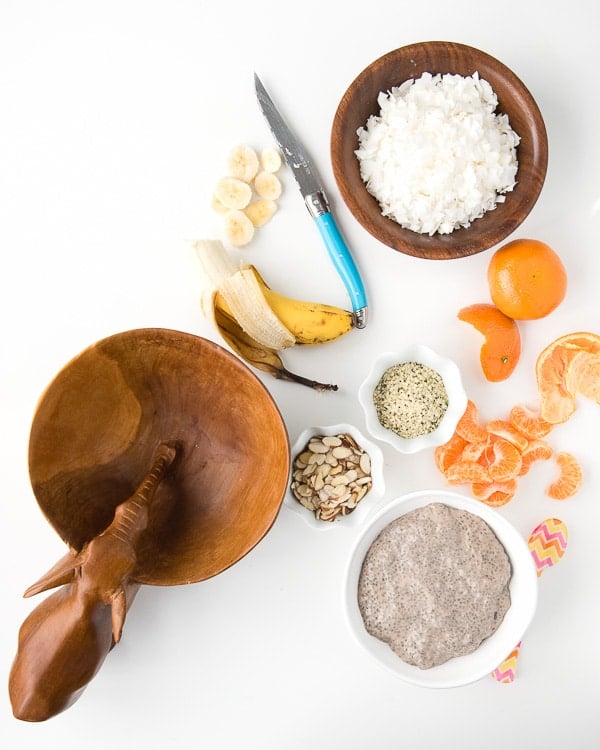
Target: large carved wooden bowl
[[101, 420], [359, 102]]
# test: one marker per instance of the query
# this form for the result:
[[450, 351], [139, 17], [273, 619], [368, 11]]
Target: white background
[[115, 121]]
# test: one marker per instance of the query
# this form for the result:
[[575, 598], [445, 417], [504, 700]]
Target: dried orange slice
[[528, 422], [537, 450], [569, 479], [501, 349]]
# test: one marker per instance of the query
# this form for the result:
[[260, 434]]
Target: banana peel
[[257, 322], [259, 356]]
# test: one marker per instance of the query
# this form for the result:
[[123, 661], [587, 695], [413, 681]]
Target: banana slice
[[260, 211], [270, 160], [267, 185], [239, 229], [233, 193], [243, 163], [217, 206]]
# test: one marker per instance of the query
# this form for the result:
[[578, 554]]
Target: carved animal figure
[[64, 641]]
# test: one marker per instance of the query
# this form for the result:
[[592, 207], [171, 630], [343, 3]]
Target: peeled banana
[[258, 322], [309, 322]]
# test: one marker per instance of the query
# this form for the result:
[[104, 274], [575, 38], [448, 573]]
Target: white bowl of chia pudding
[[439, 589], [412, 398]]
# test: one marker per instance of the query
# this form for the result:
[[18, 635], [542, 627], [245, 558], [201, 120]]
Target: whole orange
[[527, 279]]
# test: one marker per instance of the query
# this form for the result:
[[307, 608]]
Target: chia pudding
[[434, 584]]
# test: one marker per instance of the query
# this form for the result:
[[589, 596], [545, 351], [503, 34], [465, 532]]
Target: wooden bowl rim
[[185, 569]]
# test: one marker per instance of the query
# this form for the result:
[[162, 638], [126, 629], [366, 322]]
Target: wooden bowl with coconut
[[439, 150]]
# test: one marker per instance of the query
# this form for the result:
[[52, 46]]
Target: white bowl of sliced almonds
[[336, 476]]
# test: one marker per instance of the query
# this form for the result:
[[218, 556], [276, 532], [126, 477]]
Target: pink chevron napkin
[[547, 543]]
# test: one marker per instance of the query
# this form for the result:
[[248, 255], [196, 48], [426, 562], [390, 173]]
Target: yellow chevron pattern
[[506, 672]]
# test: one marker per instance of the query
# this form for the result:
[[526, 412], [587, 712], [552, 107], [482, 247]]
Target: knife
[[313, 192]]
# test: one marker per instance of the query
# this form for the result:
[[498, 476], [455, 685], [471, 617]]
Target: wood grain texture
[[360, 102], [101, 420]]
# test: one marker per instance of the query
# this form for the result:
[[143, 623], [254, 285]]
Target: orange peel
[[501, 349]]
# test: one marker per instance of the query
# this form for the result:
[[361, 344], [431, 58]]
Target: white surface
[[523, 594], [116, 120], [455, 391]]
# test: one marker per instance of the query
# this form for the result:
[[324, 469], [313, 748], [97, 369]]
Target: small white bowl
[[368, 502], [457, 398], [460, 670]]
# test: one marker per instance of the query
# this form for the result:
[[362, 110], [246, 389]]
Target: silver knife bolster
[[317, 203]]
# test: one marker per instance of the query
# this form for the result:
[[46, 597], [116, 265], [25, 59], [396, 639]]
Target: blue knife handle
[[344, 264]]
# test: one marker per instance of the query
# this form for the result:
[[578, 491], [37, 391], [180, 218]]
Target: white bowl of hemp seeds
[[412, 398]]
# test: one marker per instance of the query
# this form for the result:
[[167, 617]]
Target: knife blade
[[313, 192]]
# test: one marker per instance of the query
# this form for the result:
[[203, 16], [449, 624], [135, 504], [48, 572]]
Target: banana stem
[[283, 374]]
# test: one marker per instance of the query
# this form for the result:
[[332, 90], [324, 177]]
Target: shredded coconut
[[438, 157]]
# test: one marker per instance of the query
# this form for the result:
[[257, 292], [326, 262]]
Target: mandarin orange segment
[[586, 340], [501, 349], [484, 490], [473, 451], [491, 456], [562, 373], [551, 370], [448, 453], [537, 450], [506, 462], [469, 427], [498, 498], [583, 375], [569, 479], [528, 422], [556, 405], [463, 472], [504, 429]]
